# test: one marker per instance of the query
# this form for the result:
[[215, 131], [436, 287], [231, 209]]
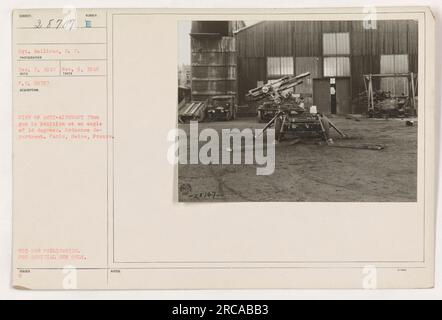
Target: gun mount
[[290, 116]]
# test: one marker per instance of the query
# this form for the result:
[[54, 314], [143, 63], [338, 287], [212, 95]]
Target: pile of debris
[[385, 105]]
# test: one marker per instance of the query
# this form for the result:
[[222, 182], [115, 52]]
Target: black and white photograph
[[234, 151], [297, 111]]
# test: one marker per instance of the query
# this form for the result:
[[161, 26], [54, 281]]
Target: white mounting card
[[140, 159]]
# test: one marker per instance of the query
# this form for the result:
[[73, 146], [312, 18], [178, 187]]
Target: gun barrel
[[279, 85], [302, 75], [290, 85], [258, 90]]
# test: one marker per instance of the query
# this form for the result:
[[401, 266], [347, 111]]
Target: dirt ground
[[311, 172]]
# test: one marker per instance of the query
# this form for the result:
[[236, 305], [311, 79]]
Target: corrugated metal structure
[[213, 58], [341, 51]]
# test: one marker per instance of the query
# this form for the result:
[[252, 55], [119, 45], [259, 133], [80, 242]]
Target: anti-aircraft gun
[[291, 116], [270, 96], [277, 89]]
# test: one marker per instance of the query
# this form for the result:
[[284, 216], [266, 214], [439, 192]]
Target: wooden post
[[333, 93], [370, 93], [413, 92]]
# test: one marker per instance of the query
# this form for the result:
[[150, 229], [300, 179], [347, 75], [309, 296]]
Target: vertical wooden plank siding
[[302, 39]]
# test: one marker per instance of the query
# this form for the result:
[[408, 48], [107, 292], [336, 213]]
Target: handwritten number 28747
[[67, 24]]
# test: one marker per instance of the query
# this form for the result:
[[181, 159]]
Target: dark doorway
[[343, 96], [323, 98], [321, 95], [333, 95]]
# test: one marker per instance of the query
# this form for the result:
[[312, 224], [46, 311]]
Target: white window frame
[[336, 72], [278, 67], [391, 84], [340, 51], [341, 43]]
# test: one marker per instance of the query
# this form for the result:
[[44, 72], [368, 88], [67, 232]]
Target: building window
[[278, 67], [336, 48], [395, 64], [336, 44], [336, 67]]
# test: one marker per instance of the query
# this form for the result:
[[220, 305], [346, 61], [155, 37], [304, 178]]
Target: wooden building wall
[[305, 39]]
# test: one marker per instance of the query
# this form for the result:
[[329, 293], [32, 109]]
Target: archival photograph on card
[[297, 111]]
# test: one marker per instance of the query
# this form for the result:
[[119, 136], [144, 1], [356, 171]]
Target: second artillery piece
[[292, 117]]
